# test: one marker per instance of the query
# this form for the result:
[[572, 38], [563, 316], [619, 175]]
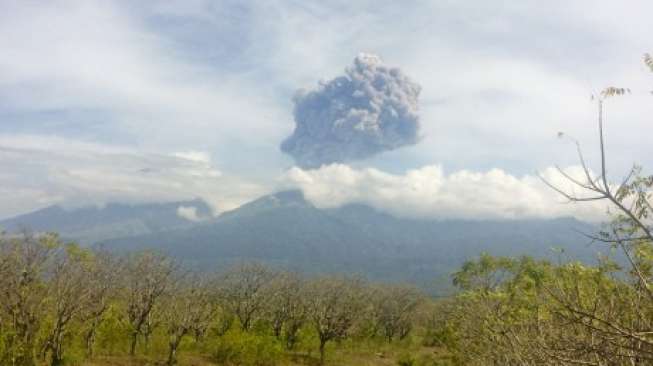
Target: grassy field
[[260, 349], [342, 356]]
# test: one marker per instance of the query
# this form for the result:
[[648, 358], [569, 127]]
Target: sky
[[150, 101]]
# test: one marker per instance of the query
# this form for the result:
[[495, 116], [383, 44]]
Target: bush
[[247, 349], [406, 360]]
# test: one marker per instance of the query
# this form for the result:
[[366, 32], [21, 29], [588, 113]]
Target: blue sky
[[158, 100]]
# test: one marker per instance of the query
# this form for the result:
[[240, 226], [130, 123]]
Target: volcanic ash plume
[[371, 109]]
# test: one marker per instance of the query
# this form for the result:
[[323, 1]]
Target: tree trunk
[[322, 345], [56, 356], [90, 341], [277, 327], [173, 345], [291, 339], [244, 324], [27, 353], [132, 348], [146, 341], [55, 346], [172, 353], [57, 360]]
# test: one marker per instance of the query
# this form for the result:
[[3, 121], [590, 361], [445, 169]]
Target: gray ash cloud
[[371, 109]]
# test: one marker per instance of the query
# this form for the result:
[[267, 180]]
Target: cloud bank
[[37, 171], [371, 109], [430, 193]]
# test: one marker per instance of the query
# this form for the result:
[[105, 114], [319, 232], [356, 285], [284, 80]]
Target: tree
[[189, 309], [286, 306], [69, 290], [530, 312], [630, 232], [105, 272], [334, 304], [494, 310], [540, 313], [24, 259], [243, 291], [147, 277], [393, 309]]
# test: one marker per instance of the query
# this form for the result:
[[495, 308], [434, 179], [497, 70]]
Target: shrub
[[247, 349]]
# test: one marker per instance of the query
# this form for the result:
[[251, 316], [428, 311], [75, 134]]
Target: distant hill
[[285, 229], [90, 225]]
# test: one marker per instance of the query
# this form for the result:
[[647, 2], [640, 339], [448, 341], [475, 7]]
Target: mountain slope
[[286, 229], [90, 225]]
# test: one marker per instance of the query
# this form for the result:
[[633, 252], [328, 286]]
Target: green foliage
[[246, 348], [113, 333], [405, 359]]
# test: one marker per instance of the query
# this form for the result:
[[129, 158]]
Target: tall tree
[[69, 291], [286, 306], [243, 291], [24, 259], [334, 304], [105, 273], [148, 276], [188, 310], [393, 309]]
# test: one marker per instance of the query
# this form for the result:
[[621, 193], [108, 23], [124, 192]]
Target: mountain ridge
[[285, 229], [92, 224]]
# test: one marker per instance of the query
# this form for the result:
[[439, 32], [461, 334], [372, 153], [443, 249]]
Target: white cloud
[[202, 161], [37, 171], [96, 55], [430, 193], [195, 156], [189, 213]]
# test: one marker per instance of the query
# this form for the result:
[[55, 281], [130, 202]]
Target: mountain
[[90, 225], [285, 229]]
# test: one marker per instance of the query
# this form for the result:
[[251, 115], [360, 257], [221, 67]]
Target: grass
[[340, 356]]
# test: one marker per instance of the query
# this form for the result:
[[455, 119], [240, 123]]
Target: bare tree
[[188, 310], [148, 276], [69, 291], [24, 260], [153, 320], [334, 304], [631, 199], [243, 291], [286, 306], [104, 273], [393, 309]]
